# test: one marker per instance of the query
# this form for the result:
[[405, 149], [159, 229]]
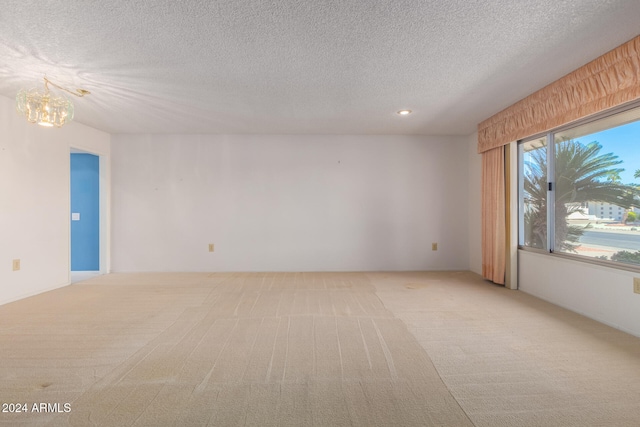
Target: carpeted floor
[[510, 359], [362, 349]]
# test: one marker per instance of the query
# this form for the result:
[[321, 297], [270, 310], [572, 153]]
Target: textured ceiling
[[302, 66]]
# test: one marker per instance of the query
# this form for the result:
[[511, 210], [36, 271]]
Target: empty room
[[328, 213]]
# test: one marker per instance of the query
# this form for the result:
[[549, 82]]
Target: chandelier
[[43, 108]]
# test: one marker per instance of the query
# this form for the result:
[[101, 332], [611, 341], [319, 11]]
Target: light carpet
[[217, 349], [511, 359]]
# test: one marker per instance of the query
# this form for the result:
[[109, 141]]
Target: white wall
[[475, 204], [601, 293], [289, 203], [34, 200]]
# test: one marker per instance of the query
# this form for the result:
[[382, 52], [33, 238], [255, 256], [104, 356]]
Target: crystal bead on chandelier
[[43, 108]]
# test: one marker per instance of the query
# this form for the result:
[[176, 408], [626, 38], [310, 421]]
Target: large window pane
[[597, 173], [533, 194]]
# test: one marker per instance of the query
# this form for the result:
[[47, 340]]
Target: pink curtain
[[494, 241]]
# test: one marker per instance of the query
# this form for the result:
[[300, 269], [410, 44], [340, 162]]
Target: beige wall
[[601, 293], [289, 203], [34, 200]]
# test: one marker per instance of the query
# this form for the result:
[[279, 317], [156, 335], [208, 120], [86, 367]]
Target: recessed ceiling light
[[404, 112]]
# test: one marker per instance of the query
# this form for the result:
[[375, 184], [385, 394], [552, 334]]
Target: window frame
[[549, 136]]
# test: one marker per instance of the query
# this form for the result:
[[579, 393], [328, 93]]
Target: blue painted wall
[[85, 233]]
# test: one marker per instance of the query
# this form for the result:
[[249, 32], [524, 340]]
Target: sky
[[624, 142]]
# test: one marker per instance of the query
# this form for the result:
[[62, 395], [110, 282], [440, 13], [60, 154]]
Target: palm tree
[[582, 175], [614, 175]]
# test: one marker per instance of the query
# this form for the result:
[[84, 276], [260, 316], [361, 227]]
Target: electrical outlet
[[636, 285], [16, 264], [434, 246], [210, 247]]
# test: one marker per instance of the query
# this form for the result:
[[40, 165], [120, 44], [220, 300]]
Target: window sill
[[612, 265]]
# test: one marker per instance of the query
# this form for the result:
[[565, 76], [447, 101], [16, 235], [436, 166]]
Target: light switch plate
[[636, 285]]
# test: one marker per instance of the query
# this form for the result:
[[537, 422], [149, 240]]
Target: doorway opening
[[85, 204]]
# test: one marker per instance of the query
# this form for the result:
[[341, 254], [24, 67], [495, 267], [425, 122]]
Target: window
[[533, 194], [570, 172]]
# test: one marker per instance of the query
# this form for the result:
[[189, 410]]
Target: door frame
[[103, 208]]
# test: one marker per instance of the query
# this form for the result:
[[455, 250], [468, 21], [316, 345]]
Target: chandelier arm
[[78, 92]]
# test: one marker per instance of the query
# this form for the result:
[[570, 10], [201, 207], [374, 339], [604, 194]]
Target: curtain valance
[[610, 80]]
